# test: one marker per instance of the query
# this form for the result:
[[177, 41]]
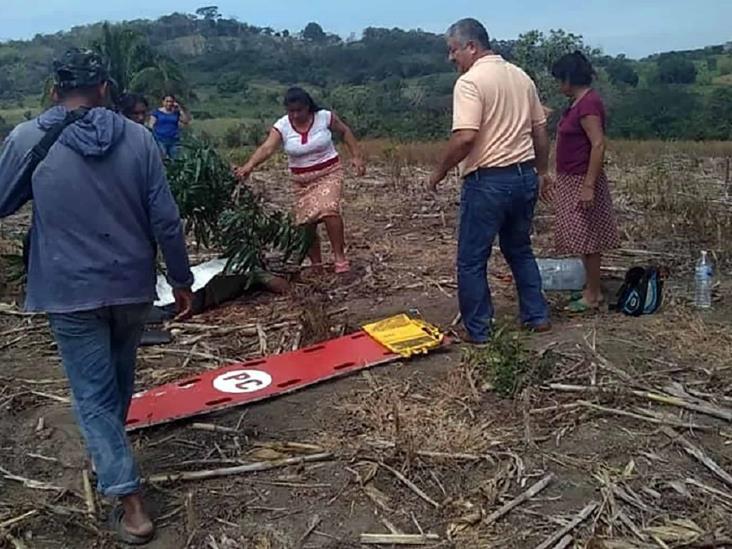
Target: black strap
[[39, 152], [41, 149]]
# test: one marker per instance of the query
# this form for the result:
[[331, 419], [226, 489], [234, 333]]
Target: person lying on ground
[[305, 133], [503, 156], [101, 202]]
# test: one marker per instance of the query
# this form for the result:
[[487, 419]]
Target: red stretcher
[[256, 380]]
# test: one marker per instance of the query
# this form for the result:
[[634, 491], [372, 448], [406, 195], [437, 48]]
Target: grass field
[[590, 413], [16, 115]]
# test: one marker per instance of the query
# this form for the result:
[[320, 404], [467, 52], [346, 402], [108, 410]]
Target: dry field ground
[[608, 432]]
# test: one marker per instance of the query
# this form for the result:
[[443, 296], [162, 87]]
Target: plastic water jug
[[562, 275]]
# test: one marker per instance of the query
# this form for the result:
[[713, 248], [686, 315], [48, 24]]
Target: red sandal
[[342, 267]]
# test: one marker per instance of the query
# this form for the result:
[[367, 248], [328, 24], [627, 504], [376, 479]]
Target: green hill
[[390, 82]]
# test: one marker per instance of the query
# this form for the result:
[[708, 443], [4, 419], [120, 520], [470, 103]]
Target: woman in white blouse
[[305, 133]]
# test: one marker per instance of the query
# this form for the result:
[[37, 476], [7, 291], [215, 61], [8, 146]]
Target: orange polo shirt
[[499, 100]]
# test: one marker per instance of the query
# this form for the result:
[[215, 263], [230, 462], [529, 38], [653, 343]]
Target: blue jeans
[[99, 350], [498, 205], [170, 148]]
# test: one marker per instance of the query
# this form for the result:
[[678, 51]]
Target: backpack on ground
[[642, 291]]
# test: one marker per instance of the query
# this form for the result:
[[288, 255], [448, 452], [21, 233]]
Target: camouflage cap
[[79, 68]]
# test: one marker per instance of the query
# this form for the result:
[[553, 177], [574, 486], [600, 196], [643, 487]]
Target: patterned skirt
[[317, 194], [582, 231]]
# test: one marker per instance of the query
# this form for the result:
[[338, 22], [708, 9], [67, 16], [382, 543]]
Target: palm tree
[[135, 66], [162, 78], [124, 51]]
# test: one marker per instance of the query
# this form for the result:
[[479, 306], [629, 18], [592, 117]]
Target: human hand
[[587, 197], [434, 180], [243, 172], [546, 188], [359, 166], [183, 303]]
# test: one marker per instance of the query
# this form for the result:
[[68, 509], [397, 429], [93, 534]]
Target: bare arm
[[540, 136], [458, 148], [185, 116], [467, 121], [262, 154], [593, 128], [338, 126]]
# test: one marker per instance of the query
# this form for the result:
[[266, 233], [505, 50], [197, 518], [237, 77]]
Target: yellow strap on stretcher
[[404, 335]]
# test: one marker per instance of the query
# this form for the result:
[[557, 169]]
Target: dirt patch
[[425, 445]]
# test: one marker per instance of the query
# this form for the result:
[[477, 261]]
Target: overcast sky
[[637, 28]]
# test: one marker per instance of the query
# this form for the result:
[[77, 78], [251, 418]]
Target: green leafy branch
[[244, 230]]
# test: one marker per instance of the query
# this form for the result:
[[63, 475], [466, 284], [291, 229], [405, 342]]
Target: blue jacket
[[100, 203]]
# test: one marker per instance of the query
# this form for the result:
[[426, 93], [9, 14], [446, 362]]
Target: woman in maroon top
[[585, 220]]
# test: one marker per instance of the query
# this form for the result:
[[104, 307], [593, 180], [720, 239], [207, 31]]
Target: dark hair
[[169, 95], [128, 102], [86, 92], [470, 30], [574, 68], [298, 96]]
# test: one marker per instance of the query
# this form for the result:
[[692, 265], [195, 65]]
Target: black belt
[[520, 168]]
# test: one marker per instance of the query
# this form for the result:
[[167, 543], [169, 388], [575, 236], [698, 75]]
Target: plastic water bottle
[[561, 275], [703, 278]]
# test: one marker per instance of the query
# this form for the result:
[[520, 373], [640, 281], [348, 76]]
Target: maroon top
[[573, 145]]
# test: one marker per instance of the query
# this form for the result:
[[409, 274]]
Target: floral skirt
[[317, 194]]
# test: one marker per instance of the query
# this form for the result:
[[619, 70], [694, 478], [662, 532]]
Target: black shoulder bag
[[38, 153]]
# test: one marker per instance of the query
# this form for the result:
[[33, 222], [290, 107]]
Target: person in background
[[500, 142], [306, 134], [585, 221], [166, 124], [101, 202], [135, 107]]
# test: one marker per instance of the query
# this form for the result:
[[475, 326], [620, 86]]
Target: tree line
[[387, 82]]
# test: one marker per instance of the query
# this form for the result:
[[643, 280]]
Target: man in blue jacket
[[101, 202]]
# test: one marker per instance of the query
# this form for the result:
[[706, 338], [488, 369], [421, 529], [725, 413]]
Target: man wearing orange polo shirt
[[501, 145]]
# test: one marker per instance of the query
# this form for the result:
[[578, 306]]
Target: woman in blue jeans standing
[[166, 123]]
